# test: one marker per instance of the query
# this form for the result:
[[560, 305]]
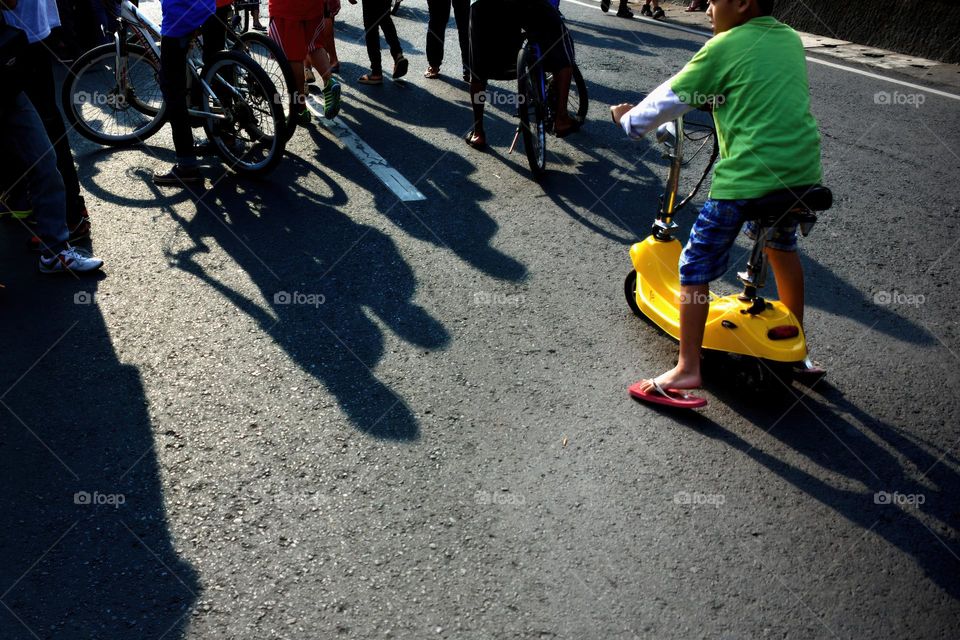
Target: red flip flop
[[677, 398]]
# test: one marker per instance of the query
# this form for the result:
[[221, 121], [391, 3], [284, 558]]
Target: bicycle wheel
[[109, 112], [578, 101], [268, 54], [531, 112], [249, 137]]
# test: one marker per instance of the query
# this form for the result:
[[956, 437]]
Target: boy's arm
[[660, 106]]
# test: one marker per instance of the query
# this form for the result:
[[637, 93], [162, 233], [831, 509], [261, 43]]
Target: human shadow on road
[[841, 438], [86, 550], [322, 279], [452, 216]]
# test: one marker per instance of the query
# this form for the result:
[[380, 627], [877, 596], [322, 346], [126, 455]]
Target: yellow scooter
[[764, 331]]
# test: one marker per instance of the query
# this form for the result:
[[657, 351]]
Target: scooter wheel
[[630, 291]]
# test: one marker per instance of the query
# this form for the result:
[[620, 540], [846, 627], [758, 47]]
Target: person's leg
[[788, 273], [41, 90], [400, 64], [436, 31], [562, 121], [173, 85], [25, 139], [330, 43], [257, 25], [371, 20], [321, 62], [477, 88], [214, 32], [703, 260], [461, 14]]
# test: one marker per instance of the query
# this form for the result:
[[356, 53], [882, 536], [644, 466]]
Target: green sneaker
[[331, 99], [304, 117]]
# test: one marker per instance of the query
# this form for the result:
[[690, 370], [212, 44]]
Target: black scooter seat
[[789, 205]]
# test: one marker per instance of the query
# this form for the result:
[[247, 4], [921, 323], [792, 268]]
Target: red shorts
[[296, 36]]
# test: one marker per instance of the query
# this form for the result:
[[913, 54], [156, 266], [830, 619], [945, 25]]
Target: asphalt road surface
[[432, 438]]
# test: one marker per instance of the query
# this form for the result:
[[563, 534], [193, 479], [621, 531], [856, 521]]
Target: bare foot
[[674, 379]]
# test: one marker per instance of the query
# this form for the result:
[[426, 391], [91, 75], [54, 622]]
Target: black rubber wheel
[[251, 138], [269, 55], [630, 291], [578, 102], [105, 113], [531, 110]]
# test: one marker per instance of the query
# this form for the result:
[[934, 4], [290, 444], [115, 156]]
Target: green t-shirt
[[756, 76]]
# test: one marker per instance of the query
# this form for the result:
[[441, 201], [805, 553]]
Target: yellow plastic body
[[658, 297]]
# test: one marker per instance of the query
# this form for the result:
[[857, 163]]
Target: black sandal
[[400, 66], [475, 144]]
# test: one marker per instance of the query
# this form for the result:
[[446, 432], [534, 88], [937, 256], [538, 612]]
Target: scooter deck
[[728, 329]]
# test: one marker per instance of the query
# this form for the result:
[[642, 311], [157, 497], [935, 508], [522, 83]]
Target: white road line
[[707, 34], [389, 176]]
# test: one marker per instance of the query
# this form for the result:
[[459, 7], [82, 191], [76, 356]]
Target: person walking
[[436, 32], [376, 18]]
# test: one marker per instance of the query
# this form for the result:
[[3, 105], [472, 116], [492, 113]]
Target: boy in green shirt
[[753, 74]]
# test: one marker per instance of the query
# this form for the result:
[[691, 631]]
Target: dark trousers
[[173, 84], [376, 17], [41, 90], [437, 28], [173, 81]]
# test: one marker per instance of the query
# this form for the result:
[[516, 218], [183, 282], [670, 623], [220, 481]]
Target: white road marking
[[389, 176], [834, 65]]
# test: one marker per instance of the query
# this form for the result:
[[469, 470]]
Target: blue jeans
[[23, 137]]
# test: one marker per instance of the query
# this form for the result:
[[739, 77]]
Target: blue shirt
[[183, 17], [34, 17]]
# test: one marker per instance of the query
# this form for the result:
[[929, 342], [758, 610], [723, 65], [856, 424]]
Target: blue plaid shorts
[[707, 253]]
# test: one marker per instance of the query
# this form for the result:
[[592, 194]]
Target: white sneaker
[[70, 259]]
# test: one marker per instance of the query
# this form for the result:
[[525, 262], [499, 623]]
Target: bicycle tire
[[242, 140], [582, 98], [532, 129], [103, 61], [278, 68]]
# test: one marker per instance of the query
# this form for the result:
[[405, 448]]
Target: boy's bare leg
[[563, 121], [330, 42], [298, 81], [788, 273], [694, 307], [321, 63]]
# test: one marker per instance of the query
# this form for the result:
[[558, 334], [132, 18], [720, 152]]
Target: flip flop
[[677, 398], [400, 66], [432, 72], [476, 145], [370, 79]]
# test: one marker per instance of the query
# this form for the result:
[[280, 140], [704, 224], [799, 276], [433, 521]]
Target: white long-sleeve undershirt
[[660, 106]]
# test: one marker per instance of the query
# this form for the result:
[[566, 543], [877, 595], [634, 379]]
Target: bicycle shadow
[[858, 447], [321, 279], [88, 553]]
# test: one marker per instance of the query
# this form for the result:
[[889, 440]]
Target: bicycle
[[537, 98], [112, 96]]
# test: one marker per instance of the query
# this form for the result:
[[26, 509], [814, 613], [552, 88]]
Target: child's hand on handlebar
[[617, 111]]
